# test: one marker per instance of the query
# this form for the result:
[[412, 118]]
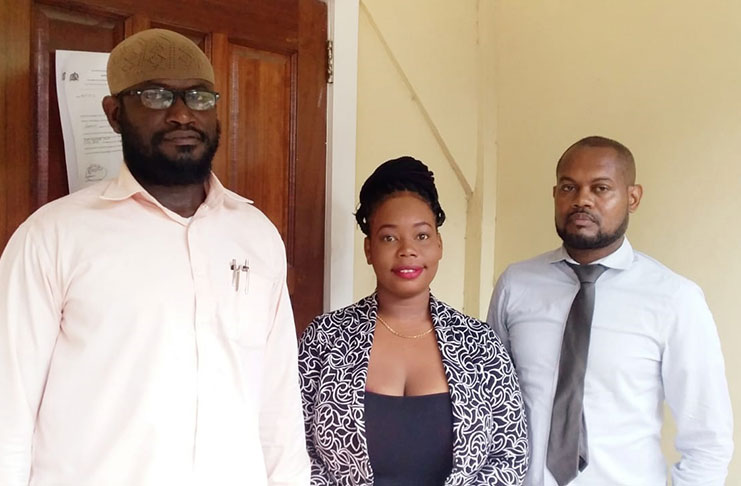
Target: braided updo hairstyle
[[402, 174]]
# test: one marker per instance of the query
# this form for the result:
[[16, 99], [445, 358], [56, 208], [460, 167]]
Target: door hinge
[[330, 62]]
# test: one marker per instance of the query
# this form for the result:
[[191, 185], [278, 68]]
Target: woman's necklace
[[395, 333]]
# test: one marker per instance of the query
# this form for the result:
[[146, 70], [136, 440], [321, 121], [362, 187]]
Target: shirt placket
[[204, 311]]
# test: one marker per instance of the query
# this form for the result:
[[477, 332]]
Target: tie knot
[[587, 273]]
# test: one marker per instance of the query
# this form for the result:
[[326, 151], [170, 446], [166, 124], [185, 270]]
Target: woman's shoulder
[[473, 335], [472, 340], [449, 316], [345, 318]]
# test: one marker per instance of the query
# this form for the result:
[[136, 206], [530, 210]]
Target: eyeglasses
[[162, 99]]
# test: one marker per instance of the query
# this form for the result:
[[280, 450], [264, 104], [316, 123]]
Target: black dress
[[410, 439]]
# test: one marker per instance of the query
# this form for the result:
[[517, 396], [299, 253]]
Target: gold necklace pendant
[[395, 333]]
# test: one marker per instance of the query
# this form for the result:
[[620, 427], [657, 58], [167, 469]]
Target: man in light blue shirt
[[653, 338]]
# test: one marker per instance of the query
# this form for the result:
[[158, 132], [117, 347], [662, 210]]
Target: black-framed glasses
[[163, 98]]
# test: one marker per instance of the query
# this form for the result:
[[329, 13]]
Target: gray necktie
[[567, 444]]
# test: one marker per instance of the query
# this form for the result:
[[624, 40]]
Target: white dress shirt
[[129, 357], [653, 339]]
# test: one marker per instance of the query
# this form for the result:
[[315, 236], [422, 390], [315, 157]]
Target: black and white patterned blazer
[[490, 437]]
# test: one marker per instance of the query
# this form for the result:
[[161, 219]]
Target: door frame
[[342, 101]]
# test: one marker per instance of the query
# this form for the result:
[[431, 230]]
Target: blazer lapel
[[449, 344], [362, 330]]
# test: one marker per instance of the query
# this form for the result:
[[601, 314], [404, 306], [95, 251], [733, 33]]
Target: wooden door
[[269, 57]]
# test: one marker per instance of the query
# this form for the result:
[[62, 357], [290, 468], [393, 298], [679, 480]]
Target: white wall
[[341, 122]]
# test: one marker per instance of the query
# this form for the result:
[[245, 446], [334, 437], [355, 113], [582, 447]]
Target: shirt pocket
[[252, 308]]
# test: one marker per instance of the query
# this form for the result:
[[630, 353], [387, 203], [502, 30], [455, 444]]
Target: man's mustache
[[158, 137], [585, 213]]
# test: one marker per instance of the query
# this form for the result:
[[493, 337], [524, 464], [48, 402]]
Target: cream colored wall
[[421, 92], [663, 77], [489, 93]]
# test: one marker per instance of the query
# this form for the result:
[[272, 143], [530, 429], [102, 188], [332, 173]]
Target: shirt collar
[[123, 187], [619, 259], [215, 193], [126, 186]]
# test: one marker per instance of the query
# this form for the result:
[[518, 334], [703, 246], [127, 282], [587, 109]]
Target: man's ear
[[366, 249], [112, 107], [635, 193]]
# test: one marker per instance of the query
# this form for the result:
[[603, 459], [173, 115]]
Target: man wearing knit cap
[[146, 334]]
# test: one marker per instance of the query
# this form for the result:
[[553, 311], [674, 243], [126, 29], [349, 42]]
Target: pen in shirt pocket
[[237, 270]]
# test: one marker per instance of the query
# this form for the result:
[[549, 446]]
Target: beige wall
[[496, 90], [664, 78], [421, 93]]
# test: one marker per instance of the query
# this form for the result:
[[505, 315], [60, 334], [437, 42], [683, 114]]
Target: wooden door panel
[[260, 95], [271, 24], [55, 29], [269, 60], [16, 119], [311, 129]]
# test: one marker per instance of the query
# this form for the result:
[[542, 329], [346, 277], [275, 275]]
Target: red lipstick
[[408, 272]]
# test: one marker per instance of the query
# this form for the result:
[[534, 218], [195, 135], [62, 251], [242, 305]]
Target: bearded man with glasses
[[146, 334]]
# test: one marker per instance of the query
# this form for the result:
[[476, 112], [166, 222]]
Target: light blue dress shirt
[[653, 340]]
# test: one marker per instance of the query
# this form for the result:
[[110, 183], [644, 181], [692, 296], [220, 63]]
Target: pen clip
[[236, 273], [246, 269]]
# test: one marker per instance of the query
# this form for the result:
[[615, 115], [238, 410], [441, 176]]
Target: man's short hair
[[596, 141]]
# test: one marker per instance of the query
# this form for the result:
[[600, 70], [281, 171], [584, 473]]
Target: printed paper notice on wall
[[92, 149]]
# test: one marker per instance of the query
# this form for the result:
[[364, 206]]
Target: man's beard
[[600, 240], [150, 166]]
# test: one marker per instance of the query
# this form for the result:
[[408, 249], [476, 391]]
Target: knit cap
[[156, 54]]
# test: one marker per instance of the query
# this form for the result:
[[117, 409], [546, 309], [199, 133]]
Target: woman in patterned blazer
[[400, 388]]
